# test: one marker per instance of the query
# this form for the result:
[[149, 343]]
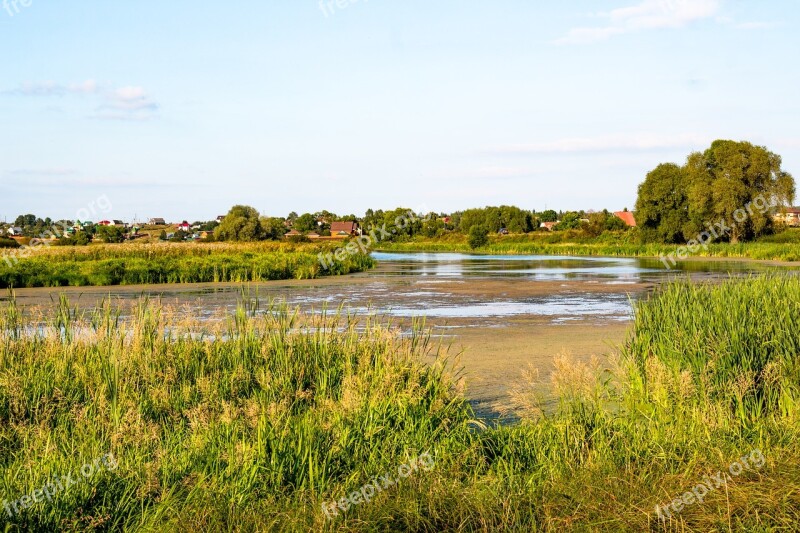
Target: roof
[[343, 227], [627, 217]]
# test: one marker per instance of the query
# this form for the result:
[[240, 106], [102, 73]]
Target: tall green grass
[[252, 423], [781, 247], [162, 263]]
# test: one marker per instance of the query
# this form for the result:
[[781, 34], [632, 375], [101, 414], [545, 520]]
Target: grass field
[[780, 247], [136, 264], [254, 423]]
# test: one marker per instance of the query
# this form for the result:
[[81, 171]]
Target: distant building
[[117, 223], [105, 223], [220, 218], [157, 222], [790, 217], [293, 233], [627, 217], [548, 225], [313, 235], [14, 231], [184, 226], [344, 229]]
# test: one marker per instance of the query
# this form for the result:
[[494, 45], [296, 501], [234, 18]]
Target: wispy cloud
[[647, 15], [51, 88], [122, 103], [611, 143], [42, 172], [128, 103]]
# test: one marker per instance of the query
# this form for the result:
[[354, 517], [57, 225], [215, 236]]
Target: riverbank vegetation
[[784, 246], [254, 422], [170, 263]]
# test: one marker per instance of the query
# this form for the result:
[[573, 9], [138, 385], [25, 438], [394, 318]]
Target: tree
[[274, 228], [548, 216], [179, 236], [730, 176], [110, 234], [603, 221], [162, 236], [305, 223], [720, 185], [478, 236], [240, 224], [571, 220], [662, 207]]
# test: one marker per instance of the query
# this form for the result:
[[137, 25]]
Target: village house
[[627, 217], [157, 222], [548, 225], [343, 230], [293, 233], [790, 217]]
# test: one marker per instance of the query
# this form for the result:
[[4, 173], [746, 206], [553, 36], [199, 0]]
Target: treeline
[[244, 223]]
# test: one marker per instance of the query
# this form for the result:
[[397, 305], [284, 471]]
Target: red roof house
[[344, 229], [627, 217]]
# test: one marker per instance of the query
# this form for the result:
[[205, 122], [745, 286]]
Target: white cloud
[[647, 15], [123, 103], [127, 103], [643, 142]]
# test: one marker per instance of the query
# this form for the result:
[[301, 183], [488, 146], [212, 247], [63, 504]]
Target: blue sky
[[181, 109]]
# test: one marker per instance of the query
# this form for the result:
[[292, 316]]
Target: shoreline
[[690, 259]]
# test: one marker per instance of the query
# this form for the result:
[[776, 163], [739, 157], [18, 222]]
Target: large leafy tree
[[730, 176], [662, 208], [240, 224], [721, 184]]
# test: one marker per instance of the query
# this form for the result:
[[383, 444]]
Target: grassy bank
[[781, 247], [256, 423], [171, 263]]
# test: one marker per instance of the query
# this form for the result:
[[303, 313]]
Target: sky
[[182, 109]]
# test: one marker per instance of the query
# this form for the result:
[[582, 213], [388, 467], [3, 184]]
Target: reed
[[251, 422], [781, 247], [172, 263]]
